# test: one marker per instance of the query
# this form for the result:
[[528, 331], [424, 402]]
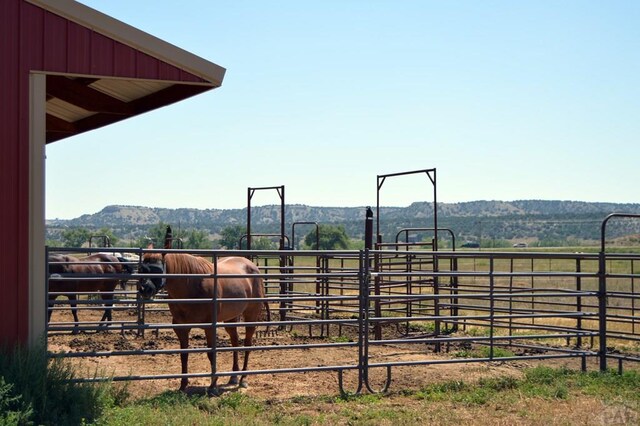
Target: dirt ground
[[268, 385]]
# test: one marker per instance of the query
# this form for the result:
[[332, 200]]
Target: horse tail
[[266, 305], [258, 284], [258, 288]]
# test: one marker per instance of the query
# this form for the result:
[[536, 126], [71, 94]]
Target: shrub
[[40, 391]]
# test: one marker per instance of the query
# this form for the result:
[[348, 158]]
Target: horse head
[[152, 263], [126, 267], [59, 263]]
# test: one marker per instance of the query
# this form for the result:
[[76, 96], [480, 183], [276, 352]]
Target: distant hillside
[[507, 220]]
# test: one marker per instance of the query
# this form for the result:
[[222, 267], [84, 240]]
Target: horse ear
[[150, 246], [168, 237]]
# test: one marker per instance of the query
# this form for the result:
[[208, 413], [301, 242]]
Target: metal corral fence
[[476, 306]]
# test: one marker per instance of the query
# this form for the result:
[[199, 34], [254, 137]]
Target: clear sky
[[508, 100]]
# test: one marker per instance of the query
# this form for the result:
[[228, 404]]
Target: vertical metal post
[[602, 310], [511, 300], [214, 319], [436, 304], [282, 219], [454, 291], [435, 206], [284, 282], [633, 299], [249, 196], [368, 229], [579, 301], [363, 335], [46, 295], [491, 306], [324, 291], [533, 303]]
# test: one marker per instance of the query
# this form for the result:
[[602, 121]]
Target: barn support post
[[37, 264]]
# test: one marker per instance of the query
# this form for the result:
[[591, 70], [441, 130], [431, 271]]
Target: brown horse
[[248, 286], [100, 264]]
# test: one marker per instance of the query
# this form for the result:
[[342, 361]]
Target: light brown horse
[[100, 264], [248, 286]]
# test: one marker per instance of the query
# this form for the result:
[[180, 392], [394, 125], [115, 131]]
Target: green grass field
[[542, 396]]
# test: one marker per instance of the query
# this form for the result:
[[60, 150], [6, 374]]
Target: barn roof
[[130, 72]]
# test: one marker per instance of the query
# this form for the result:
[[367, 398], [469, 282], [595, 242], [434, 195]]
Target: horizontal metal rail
[[524, 307]]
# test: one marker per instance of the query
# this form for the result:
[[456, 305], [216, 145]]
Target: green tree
[[155, 234], [332, 237], [53, 242], [98, 242], [230, 236], [196, 239], [75, 237], [263, 243]]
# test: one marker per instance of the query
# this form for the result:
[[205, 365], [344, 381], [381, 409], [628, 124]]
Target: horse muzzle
[[149, 287]]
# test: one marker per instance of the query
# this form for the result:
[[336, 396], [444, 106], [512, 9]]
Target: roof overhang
[[78, 103]]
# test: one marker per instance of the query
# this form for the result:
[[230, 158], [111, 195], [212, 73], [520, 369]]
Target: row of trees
[[331, 237]]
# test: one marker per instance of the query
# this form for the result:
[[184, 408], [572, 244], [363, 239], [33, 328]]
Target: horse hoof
[[243, 385], [233, 380], [214, 391]]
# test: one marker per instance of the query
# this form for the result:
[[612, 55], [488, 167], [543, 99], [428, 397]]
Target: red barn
[[66, 69]]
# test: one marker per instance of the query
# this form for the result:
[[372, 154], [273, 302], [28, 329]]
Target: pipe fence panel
[[469, 306]]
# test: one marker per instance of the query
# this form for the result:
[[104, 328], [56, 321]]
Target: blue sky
[[507, 100]]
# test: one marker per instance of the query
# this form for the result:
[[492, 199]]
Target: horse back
[[241, 265], [108, 265], [249, 286]]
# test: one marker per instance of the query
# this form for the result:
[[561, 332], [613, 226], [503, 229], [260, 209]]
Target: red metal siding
[[101, 55], [32, 39], [10, 258], [55, 53], [79, 48], [126, 63], [82, 51]]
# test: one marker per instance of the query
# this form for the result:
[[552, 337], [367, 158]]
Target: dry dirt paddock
[[282, 385]]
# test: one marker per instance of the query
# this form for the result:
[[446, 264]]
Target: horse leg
[[183, 337], [107, 299], [248, 341], [50, 308], [74, 312], [213, 387], [233, 336]]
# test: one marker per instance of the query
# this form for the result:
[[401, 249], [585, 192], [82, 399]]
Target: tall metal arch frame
[[431, 174], [250, 194]]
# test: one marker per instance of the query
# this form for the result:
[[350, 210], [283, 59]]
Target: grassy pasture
[[541, 396]]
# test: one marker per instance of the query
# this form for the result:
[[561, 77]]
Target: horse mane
[[182, 263]]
